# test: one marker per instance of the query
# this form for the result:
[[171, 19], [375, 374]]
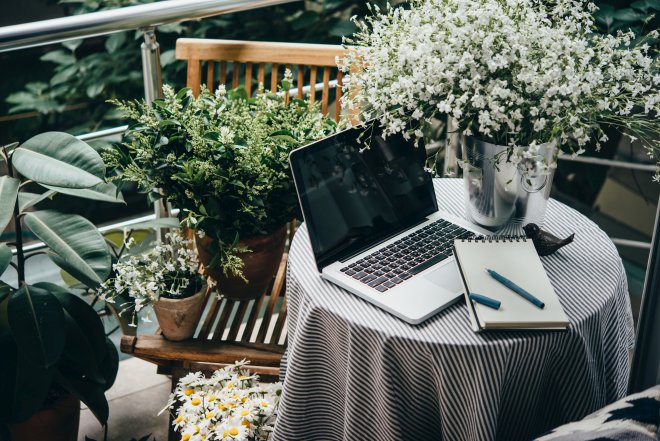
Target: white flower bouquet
[[231, 405], [169, 270], [511, 72]]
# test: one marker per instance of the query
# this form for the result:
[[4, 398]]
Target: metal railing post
[[153, 81], [153, 89], [645, 369]]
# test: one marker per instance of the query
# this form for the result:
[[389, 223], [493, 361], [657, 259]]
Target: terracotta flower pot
[[57, 423], [178, 318], [260, 265]]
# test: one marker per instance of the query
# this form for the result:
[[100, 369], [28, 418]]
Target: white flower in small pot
[[230, 405], [167, 277]]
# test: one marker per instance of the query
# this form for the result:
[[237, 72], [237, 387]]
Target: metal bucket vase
[[499, 192]]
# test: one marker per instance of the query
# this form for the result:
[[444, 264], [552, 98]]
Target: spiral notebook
[[515, 258]]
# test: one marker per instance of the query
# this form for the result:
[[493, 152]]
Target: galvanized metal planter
[[500, 192]]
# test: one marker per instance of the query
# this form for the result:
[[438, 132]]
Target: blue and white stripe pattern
[[354, 372]]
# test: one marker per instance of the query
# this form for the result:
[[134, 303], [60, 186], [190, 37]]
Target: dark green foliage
[[51, 339]]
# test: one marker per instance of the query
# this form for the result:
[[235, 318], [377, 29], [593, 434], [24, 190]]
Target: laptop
[[374, 224]]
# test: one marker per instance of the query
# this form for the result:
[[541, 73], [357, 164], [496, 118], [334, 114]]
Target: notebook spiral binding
[[495, 238]]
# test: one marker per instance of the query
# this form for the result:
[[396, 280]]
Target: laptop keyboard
[[412, 254]]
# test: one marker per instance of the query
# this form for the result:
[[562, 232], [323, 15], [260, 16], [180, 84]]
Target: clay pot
[[260, 265], [178, 318], [57, 423]]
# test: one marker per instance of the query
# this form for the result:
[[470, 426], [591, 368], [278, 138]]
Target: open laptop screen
[[353, 199]]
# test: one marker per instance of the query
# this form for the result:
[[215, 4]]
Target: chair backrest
[[250, 63]]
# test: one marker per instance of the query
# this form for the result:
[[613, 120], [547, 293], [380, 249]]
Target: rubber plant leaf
[[104, 192], [75, 243], [36, 321], [59, 159], [5, 257], [8, 192]]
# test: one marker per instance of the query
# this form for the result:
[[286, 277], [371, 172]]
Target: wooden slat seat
[[160, 350]]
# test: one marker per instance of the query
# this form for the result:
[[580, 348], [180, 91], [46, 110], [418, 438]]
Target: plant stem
[[18, 230]]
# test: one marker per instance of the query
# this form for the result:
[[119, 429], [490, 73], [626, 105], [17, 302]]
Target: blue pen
[[484, 300], [515, 288]]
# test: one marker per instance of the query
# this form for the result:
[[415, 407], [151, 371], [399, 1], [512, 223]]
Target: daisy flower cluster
[[170, 269], [231, 405], [510, 72]]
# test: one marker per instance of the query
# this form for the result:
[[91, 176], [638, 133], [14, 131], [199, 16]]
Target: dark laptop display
[[353, 199]]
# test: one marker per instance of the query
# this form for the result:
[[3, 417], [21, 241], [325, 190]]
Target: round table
[[355, 372]]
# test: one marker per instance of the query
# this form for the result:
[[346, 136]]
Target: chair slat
[[248, 79], [312, 84], [224, 317], [301, 80], [238, 319], [234, 75], [340, 79], [223, 73], [273, 77], [326, 90], [209, 75], [254, 315], [207, 326], [286, 92], [193, 76], [278, 284], [279, 325], [261, 76], [258, 51]]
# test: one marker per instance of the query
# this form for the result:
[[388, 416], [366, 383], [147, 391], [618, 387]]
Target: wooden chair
[[232, 330], [250, 63]]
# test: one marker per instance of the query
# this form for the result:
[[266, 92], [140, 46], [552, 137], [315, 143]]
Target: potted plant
[[53, 344], [230, 405], [166, 276], [222, 159], [522, 79]]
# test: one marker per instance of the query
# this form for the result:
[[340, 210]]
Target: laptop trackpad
[[446, 277]]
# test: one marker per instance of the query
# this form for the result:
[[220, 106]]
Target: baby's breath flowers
[[169, 270], [511, 72], [231, 405]]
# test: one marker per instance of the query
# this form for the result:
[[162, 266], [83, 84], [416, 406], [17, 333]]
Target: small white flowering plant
[[170, 269], [516, 73], [231, 405]]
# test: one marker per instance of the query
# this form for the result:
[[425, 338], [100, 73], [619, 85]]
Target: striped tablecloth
[[354, 372]]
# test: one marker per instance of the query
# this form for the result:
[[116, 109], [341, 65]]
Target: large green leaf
[[27, 200], [5, 290], [8, 192], [31, 385], [5, 257], [36, 321], [110, 364], [55, 158], [104, 191], [76, 244], [85, 321], [87, 391]]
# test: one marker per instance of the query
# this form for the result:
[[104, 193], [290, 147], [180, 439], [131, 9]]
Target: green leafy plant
[[52, 341], [222, 159], [640, 17]]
